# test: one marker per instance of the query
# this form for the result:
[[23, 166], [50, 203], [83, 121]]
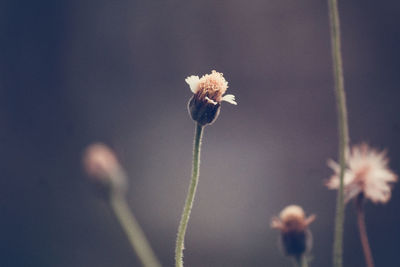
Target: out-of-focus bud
[[101, 163], [295, 237]]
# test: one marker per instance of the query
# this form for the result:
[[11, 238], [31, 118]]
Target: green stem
[[304, 261], [132, 229], [363, 231], [343, 128], [301, 261], [190, 197]]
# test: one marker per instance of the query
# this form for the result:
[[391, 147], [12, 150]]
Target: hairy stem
[[190, 197], [132, 230], [343, 128], [363, 231]]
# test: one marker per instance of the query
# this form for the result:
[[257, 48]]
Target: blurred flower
[[296, 238], [100, 162], [208, 93], [367, 173]]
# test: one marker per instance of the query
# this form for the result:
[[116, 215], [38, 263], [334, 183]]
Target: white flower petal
[[333, 165], [210, 100], [193, 82], [229, 99]]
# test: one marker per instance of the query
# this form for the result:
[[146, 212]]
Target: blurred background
[[76, 72]]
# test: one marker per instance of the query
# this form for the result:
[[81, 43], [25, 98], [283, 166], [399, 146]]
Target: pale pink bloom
[[367, 173]]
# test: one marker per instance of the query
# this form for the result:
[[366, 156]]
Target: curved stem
[[190, 197], [363, 232], [133, 231], [343, 128]]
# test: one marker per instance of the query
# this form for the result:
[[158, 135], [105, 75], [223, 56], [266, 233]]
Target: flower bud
[[295, 237], [203, 112], [101, 163], [204, 106]]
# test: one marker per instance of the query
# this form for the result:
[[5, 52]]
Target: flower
[[367, 173], [296, 238], [208, 93]]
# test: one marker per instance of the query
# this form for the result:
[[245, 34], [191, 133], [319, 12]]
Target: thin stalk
[[363, 232], [301, 261], [190, 197], [133, 230], [304, 261], [342, 128]]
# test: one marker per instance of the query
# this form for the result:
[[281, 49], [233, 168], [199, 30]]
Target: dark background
[[74, 72]]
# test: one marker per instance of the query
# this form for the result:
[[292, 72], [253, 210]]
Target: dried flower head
[[367, 173], [208, 93], [296, 238]]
